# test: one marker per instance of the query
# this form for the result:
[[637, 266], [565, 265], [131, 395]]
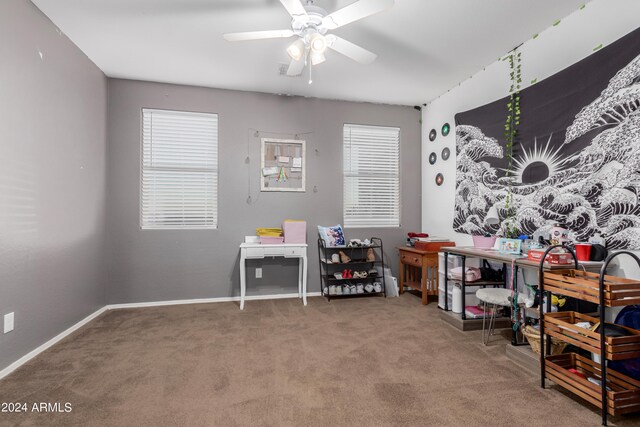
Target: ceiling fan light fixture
[[296, 50], [318, 43], [317, 58]]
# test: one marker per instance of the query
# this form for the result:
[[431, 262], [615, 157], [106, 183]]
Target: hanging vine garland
[[511, 133]]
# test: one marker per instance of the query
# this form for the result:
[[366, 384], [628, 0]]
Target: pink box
[[270, 240], [294, 231]]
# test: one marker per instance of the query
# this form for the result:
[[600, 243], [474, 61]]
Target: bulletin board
[[283, 165]]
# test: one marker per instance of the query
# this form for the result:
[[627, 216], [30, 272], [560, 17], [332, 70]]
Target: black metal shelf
[[366, 294], [353, 248], [478, 282], [327, 279], [374, 278]]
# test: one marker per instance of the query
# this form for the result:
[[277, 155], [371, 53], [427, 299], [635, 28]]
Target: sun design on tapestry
[[537, 163]]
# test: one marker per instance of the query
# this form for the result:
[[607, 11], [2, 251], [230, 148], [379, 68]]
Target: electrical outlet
[[8, 323], [258, 273]]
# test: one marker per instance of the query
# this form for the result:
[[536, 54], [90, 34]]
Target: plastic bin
[[441, 296], [294, 231], [470, 297]]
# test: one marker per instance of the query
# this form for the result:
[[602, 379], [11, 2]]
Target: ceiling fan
[[310, 24]]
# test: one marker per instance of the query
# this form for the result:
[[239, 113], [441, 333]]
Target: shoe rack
[[352, 276]]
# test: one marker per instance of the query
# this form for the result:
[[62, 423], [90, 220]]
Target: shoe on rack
[[332, 290], [344, 258], [371, 256], [377, 286], [338, 290], [360, 288], [349, 274], [357, 275], [338, 276], [368, 288], [325, 291], [373, 272], [346, 290], [352, 289]]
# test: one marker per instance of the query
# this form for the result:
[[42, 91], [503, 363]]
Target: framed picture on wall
[[283, 165]]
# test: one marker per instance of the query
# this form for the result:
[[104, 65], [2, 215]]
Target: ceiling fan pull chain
[[310, 67]]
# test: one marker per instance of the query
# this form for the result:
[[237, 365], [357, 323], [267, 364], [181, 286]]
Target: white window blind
[[179, 178], [371, 176]]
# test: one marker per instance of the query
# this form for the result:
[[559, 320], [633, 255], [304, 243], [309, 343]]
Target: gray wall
[[154, 265], [52, 180]]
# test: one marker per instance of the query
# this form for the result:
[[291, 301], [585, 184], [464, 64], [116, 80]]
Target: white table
[[286, 250]]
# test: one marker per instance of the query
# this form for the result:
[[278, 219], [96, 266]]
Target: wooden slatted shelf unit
[[623, 396], [561, 325], [618, 393], [585, 286]]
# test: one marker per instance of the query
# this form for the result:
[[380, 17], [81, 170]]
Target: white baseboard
[[206, 300], [33, 353]]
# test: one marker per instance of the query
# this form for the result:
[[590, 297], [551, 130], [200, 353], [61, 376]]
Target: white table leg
[[304, 279], [300, 277], [243, 280]]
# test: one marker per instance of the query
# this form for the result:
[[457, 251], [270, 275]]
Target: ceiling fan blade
[[294, 7], [350, 50], [296, 67], [257, 35], [355, 11]]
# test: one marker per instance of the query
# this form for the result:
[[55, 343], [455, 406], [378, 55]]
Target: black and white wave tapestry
[[576, 160]]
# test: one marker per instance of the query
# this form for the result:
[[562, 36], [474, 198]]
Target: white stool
[[496, 297]]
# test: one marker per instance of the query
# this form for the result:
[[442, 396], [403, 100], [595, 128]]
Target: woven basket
[[533, 336]]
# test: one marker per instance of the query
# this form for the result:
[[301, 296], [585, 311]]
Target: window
[[371, 176], [179, 177]]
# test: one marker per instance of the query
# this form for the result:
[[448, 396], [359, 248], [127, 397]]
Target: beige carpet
[[362, 362]]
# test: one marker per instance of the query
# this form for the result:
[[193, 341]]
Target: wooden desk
[[419, 271], [518, 261]]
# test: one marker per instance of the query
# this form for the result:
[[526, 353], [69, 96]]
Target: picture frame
[[282, 166], [510, 246]]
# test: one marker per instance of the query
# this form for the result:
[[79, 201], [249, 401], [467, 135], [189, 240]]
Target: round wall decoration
[[445, 153], [433, 157], [432, 135], [439, 179], [445, 129]]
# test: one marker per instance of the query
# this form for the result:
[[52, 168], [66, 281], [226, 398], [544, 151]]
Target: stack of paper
[[269, 232]]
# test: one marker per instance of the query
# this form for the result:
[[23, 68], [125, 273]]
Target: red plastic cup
[[583, 251]]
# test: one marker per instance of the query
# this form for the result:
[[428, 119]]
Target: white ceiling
[[424, 47]]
